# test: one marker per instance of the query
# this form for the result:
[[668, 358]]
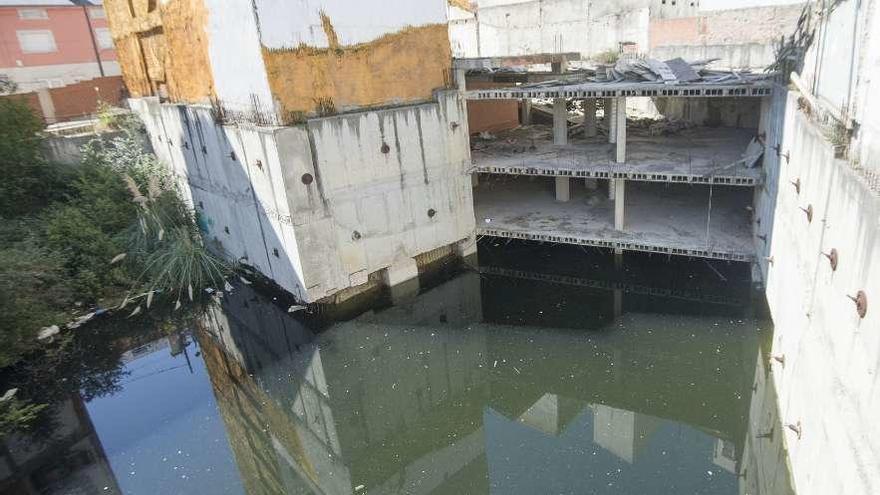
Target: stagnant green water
[[540, 371]]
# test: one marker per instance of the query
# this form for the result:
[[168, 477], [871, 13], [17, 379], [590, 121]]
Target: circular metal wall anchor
[[307, 179], [832, 259], [809, 212], [797, 185], [431, 212], [355, 235], [385, 148], [861, 300]]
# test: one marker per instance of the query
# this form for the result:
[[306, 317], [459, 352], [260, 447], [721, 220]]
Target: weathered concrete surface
[[829, 383], [657, 216], [320, 207], [525, 27], [693, 155]]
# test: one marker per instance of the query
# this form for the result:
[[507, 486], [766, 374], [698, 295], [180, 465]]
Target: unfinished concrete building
[[664, 29], [320, 142], [683, 185]]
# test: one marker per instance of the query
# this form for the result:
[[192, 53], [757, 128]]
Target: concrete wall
[[319, 207], [524, 27], [377, 175], [544, 26], [242, 203], [240, 81], [829, 381], [741, 38]]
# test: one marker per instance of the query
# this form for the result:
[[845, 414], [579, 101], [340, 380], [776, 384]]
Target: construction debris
[[648, 70]]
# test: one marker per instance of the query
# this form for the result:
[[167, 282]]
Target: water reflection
[[432, 395], [642, 378]]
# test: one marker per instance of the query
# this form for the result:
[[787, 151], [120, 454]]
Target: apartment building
[[54, 43]]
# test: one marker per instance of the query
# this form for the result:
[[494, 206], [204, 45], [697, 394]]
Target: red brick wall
[[680, 31], [81, 99], [77, 100], [491, 116], [30, 99]]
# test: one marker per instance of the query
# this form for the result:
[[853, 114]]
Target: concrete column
[[611, 119], [611, 190], [764, 115], [619, 203], [475, 179], [563, 189], [400, 272], [402, 279], [461, 79], [556, 67], [526, 112], [560, 122], [47, 105], [590, 117], [620, 129], [467, 249]]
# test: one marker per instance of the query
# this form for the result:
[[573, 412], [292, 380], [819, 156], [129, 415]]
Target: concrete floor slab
[[660, 218], [698, 155]]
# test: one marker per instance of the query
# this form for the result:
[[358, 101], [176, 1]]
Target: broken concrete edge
[[514, 60], [643, 247], [628, 89]]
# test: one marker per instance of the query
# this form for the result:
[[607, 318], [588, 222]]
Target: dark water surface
[[542, 371]]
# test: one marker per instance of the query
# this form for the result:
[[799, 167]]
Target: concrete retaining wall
[[829, 383], [319, 207]]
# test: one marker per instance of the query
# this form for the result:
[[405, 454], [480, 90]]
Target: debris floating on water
[[48, 332]]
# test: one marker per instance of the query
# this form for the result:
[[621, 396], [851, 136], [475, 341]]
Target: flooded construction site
[[525, 373], [463, 247]]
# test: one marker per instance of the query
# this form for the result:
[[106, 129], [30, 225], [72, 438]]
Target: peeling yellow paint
[[400, 67]]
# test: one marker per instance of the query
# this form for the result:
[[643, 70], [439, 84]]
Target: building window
[[102, 36], [97, 13], [32, 14], [37, 41]]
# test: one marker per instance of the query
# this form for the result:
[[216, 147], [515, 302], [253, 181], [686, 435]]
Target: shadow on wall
[[234, 184]]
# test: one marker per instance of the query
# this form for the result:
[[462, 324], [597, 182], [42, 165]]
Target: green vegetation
[[112, 230]]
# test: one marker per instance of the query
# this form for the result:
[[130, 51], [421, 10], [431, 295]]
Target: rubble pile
[[648, 70]]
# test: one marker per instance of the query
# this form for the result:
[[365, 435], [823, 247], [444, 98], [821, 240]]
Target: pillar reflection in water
[[458, 391]]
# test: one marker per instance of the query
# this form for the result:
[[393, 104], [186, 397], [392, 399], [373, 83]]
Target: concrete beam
[[514, 61], [620, 129], [460, 79], [590, 117], [619, 204], [560, 122], [611, 119], [563, 189]]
